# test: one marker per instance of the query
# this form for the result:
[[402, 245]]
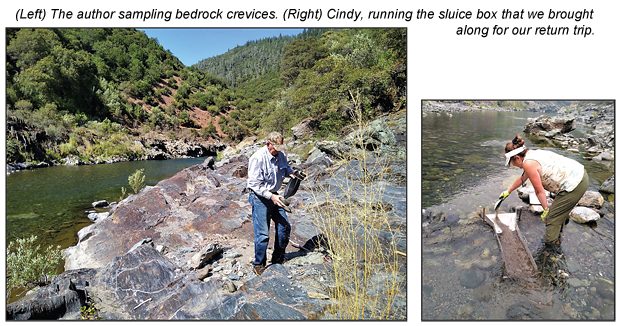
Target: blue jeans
[[263, 212]]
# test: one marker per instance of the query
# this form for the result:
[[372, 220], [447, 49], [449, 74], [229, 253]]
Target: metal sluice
[[518, 260]]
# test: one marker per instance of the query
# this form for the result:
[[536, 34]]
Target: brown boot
[[259, 269]]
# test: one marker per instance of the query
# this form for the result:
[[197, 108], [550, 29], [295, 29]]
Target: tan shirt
[[558, 172]]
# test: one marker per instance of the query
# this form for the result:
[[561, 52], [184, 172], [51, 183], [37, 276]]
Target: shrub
[[136, 181], [25, 263], [13, 150]]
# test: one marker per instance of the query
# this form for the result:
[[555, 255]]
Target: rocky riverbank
[[466, 106], [597, 145], [150, 148], [183, 248]]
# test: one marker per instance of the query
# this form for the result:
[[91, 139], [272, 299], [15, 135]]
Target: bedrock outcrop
[[183, 248]]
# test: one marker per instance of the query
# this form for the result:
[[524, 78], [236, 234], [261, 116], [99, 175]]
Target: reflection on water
[[51, 202], [463, 168]]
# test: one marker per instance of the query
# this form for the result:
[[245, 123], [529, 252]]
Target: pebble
[[232, 255], [233, 277], [231, 287]]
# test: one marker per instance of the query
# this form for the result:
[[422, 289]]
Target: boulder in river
[[544, 125], [581, 214], [101, 203], [609, 185], [591, 199]]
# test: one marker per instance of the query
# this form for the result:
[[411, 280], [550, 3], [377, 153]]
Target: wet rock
[[452, 219], [568, 310], [574, 282], [591, 199], [471, 278], [524, 311], [465, 310], [605, 156], [573, 266], [427, 290], [604, 288], [101, 203], [609, 185], [98, 216], [484, 292], [584, 215]]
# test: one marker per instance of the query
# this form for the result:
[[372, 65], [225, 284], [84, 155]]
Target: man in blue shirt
[[266, 171]]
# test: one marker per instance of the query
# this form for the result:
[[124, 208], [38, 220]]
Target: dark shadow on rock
[[317, 241]]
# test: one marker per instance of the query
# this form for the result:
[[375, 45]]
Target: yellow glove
[[504, 195], [544, 214]]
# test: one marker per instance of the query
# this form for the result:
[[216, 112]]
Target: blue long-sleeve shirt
[[266, 172]]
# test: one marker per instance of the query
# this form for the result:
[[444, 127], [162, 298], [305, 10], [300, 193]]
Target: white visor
[[512, 153]]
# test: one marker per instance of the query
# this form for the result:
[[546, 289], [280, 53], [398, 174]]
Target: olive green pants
[[563, 204]]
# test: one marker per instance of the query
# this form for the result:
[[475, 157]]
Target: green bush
[[25, 263], [13, 152], [137, 181]]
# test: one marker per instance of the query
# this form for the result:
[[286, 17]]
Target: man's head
[[275, 143]]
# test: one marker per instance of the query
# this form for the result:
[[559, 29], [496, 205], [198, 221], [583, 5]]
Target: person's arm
[[255, 179], [532, 170], [518, 182]]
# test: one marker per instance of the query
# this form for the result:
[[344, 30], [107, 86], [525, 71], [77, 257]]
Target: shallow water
[[51, 202], [462, 275]]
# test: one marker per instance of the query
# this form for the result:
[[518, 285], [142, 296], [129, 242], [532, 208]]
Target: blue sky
[[193, 45]]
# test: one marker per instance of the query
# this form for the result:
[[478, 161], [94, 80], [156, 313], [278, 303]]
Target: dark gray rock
[[209, 162], [101, 203], [140, 243], [64, 296], [205, 255], [471, 278], [604, 288], [524, 311], [609, 185]]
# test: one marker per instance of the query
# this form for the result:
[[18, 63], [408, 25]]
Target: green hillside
[[253, 59], [91, 92]]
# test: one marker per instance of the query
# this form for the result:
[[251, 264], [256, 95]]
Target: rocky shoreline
[[152, 149], [183, 248], [477, 105]]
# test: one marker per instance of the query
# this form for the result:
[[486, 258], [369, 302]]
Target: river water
[[462, 278], [51, 202]]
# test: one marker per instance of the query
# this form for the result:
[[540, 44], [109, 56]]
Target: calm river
[[51, 202], [462, 169]]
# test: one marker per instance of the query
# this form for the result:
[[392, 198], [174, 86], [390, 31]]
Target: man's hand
[[278, 200], [504, 195], [544, 214], [299, 175]]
